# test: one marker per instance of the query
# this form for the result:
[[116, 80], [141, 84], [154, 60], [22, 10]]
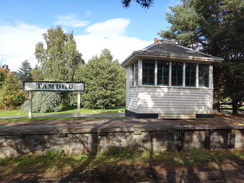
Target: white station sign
[[54, 86]]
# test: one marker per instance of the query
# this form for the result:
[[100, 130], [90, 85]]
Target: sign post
[[78, 105], [54, 87], [30, 105]]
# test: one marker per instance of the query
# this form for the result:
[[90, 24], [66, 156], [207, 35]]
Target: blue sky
[[96, 25]]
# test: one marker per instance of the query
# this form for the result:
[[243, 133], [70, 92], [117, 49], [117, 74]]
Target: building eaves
[[170, 52]]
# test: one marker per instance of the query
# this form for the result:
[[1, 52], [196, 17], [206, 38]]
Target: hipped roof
[[166, 51]]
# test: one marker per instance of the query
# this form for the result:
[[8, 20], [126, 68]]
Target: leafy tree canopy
[[59, 57], [37, 74], [104, 80], [10, 94]]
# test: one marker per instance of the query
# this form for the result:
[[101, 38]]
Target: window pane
[[177, 70], [203, 75], [190, 74], [163, 72], [173, 81], [148, 69], [151, 80], [144, 79]]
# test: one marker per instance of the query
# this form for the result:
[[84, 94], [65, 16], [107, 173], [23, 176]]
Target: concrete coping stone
[[89, 129]]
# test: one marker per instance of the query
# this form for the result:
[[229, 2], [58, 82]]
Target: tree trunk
[[217, 86], [234, 107], [216, 105]]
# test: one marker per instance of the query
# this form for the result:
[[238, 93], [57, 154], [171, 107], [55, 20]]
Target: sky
[[96, 25]]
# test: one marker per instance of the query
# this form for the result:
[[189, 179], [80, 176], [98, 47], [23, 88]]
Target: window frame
[[134, 74], [149, 77], [154, 72], [163, 72]]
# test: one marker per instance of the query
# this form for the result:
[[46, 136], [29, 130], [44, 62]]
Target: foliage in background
[[234, 85], [11, 96], [104, 82], [59, 59], [44, 102], [24, 72], [216, 28], [59, 56], [37, 74]]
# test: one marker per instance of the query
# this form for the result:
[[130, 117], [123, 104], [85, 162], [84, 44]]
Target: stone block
[[239, 138], [219, 139], [160, 140], [194, 139]]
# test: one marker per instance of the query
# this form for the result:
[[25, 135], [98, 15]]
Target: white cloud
[[109, 28], [88, 13], [120, 46], [71, 21], [17, 43], [111, 35]]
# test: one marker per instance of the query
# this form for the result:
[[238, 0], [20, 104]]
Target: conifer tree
[[214, 27], [104, 82], [24, 72]]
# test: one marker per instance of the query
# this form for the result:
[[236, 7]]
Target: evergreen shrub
[[44, 102]]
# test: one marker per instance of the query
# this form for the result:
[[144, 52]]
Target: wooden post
[[78, 105], [30, 105]]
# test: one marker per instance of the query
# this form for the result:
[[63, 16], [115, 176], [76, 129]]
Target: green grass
[[229, 107], [37, 119], [55, 161], [4, 113]]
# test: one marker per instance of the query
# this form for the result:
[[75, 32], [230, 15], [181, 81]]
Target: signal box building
[[169, 81]]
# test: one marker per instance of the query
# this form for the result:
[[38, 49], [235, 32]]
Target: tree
[[37, 74], [233, 86], [214, 27], [59, 57], [24, 72], [11, 96], [104, 80], [3, 75], [143, 3]]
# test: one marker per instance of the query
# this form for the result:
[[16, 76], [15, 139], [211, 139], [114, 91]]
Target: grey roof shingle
[[161, 50]]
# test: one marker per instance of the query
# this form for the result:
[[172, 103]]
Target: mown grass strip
[[193, 157], [16, 113]]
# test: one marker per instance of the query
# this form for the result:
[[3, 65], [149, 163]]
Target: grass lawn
[[55, 164], [229, 107], [4, 113]]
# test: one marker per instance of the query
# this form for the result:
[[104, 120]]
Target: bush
[[44, 102]]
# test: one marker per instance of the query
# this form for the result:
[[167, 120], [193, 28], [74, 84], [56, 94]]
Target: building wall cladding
[[168, 101], [95, 142]]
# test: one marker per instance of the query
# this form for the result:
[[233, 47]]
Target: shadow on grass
[[125, 164]]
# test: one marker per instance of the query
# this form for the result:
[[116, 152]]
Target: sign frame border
[[54, 82]]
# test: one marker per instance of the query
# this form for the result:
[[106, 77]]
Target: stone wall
[[36, 143]]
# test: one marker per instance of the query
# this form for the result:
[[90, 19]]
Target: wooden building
[[169, 81]]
